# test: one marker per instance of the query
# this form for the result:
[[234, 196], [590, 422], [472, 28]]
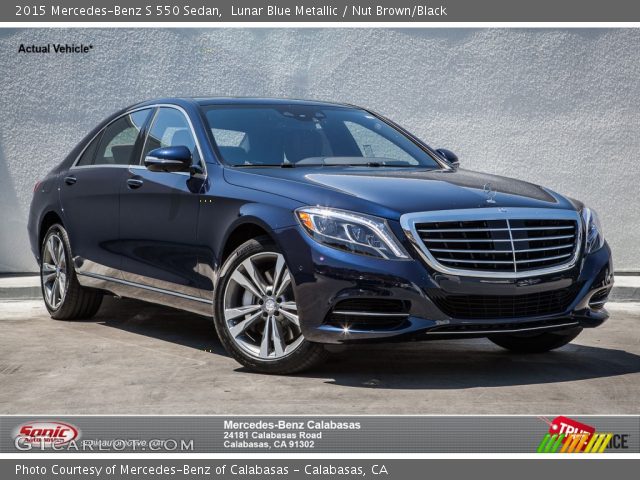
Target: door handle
[[134, 183], [70, 180]]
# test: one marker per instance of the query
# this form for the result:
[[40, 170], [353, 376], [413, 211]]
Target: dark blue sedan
[[295, 224]]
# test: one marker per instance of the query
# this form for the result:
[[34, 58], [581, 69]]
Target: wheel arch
[[255, 220], [50, 218], [242, 232]]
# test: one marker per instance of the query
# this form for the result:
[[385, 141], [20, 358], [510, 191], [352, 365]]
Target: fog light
[[598, 299]]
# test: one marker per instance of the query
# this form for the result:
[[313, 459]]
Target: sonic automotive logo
[[44, 434], [570, 436]]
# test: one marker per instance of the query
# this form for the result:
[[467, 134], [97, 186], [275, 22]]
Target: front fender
[[232, 209]]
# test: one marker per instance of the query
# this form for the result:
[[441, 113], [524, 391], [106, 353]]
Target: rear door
[[159, 213], [89, 195]]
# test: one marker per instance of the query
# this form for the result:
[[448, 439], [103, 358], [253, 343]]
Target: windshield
[[307, 135]]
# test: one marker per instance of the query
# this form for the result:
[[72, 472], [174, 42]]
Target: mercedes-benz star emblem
[[490, 192]]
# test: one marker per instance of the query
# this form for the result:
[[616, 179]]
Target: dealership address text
[[281, 434]]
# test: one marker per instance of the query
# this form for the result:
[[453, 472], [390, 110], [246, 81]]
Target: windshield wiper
[[380, 165], [304, 164]]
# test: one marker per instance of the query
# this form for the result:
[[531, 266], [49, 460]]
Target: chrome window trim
[[75, 165], [408, 223], [156, 106], [82, 167]]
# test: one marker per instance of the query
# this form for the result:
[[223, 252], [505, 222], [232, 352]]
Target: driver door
[[158, 216]]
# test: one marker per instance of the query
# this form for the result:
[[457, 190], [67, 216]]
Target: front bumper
[[323, 277]]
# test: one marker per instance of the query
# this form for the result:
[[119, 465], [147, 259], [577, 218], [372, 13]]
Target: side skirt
[[125, 288]]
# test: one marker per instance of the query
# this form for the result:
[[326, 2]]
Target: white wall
[[556, 107]]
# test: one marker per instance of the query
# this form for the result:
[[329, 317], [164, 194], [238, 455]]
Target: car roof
[[206, 101]]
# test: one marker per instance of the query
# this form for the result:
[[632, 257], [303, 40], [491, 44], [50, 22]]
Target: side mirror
[[169, 159], [449, 156]]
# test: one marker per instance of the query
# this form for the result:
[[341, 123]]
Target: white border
[[311, 455]]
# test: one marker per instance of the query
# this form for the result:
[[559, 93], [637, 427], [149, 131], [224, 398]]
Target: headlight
[[593, 230], [351, 232]]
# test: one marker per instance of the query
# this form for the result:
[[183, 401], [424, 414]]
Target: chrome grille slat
[[543, 249], [496, 242], [471, 251], [537, 239], [544, 259], [449, 230], [543, 228], [471, 240], [507, 262]]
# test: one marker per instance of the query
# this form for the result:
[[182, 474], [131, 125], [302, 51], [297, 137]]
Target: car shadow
[[460, 364], [163, 323], [441, 364]]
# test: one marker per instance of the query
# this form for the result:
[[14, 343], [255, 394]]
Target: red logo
[[45, 433], [569, 426]]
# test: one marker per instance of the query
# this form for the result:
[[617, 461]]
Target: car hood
[[392, 192]]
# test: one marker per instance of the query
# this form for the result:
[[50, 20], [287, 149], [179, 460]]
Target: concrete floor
[[142, 359]]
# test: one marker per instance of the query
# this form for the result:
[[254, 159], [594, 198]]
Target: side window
[[89, 153], [170, 129], [233, 145], [372, 144], [119, 139]]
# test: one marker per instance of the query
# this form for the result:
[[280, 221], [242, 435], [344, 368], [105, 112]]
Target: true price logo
[[569, 426], [570, 436]]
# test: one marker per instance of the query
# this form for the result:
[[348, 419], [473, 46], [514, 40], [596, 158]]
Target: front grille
[[369, 314], [502, 244], [505, 306]]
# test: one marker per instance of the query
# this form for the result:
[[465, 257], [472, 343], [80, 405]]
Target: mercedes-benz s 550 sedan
[[296, 224]]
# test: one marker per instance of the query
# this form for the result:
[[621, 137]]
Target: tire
[[256, 293], [63, 296], [540, 342]]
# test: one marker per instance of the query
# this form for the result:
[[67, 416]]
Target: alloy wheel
[[260, 311], [54, 271]]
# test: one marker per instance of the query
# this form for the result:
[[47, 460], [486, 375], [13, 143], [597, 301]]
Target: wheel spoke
[[244, 282], [276, 337], [254, 276], [48, 273], [54, 293], [48, 290], [63, 261], [62, 284], [48, 268], [233, 313], [51, 250], [240, 327], [277, 272], [60, 252], [289, 306], [286, 279], [264, 344], [48, 277], [291, 317]]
